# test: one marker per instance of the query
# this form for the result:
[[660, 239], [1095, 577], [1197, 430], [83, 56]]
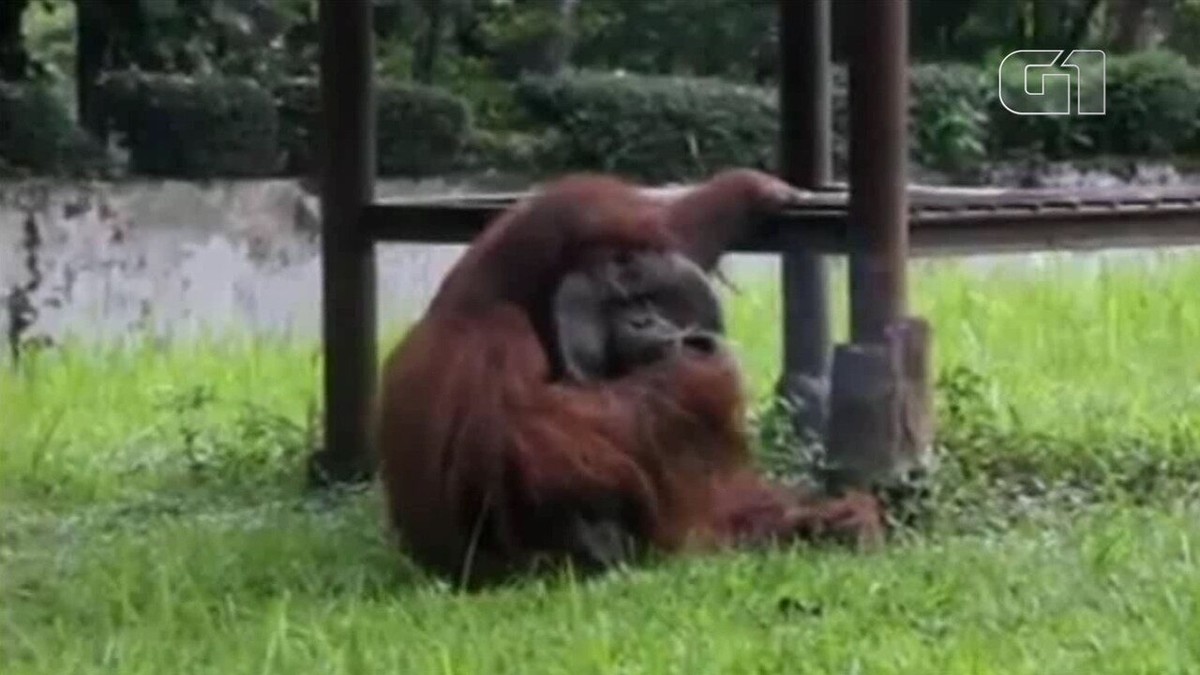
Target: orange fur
[[482, 455]]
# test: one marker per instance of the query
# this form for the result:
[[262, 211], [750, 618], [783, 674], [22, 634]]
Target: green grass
[[153, 522]]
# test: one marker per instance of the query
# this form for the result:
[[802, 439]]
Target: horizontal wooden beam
[[943, 221], [1027, 233]]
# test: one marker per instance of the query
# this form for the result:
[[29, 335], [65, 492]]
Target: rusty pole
[[878, 209], [881, 410], [805, 161], [348, 254]]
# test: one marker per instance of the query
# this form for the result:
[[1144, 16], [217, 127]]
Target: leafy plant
[[197, 127]]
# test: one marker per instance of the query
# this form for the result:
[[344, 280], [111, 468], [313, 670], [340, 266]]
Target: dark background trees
[[486, 51], [428, 40]]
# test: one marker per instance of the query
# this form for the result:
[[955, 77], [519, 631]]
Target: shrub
[[661, 128], [1151, 108], [948, 123], [193, 127], [421, 130], [38, 135], [492, 102], [298, 103], [1033, 136], [948, 108], [1153, 105], [513, 152], [653, 128]]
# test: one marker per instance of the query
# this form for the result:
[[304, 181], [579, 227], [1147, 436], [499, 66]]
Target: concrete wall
[[173, 259]]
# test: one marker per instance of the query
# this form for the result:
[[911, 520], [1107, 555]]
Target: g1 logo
[[1036, 82]]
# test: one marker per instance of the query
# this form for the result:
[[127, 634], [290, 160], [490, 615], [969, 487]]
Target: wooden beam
[[1007, 232], [347, 247], [943, 221]]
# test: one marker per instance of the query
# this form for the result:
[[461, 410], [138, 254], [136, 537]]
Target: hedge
[[948, 120], [668, 128], [660, 128], [654, 128], [38, 135], [1152, 109], [421, 130], [948, 115], [192, 127]]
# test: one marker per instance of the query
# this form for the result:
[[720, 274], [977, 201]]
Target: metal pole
[[878, 209], [806, 161], [348, 255], [804, 92], [881, 412]]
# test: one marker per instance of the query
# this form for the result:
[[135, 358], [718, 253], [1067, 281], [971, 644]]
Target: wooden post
[[881, 419], [348, 256], [878, 209], [880, 427], [806, 161]]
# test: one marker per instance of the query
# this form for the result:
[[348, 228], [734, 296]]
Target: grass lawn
[[152, 519]]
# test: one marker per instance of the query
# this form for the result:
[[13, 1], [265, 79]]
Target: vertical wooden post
[[880, 427], [878, 211], [347, 151], [806, 161]]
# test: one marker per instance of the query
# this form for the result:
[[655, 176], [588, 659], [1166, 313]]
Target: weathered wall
[[174, 259]]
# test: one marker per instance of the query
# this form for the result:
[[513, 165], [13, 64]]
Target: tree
[[522, 35], [429, 46], [1141, 24], [14, 58], [697, 37], [91, 52]]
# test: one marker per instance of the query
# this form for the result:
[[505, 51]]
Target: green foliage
[[193, 127], [948, 114], [947, 107], [163, 528], [1152, 108], [298, 104], [1021, 394], [668, 128], [523, 38], [705, 38], [513, 152], [261, 39], [38, 135], [1185, 30], [246, 451], [490, 99], [421, 130], [968, 29], [49, 32], [653, 128], [1043, 136], [1153, 105]]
